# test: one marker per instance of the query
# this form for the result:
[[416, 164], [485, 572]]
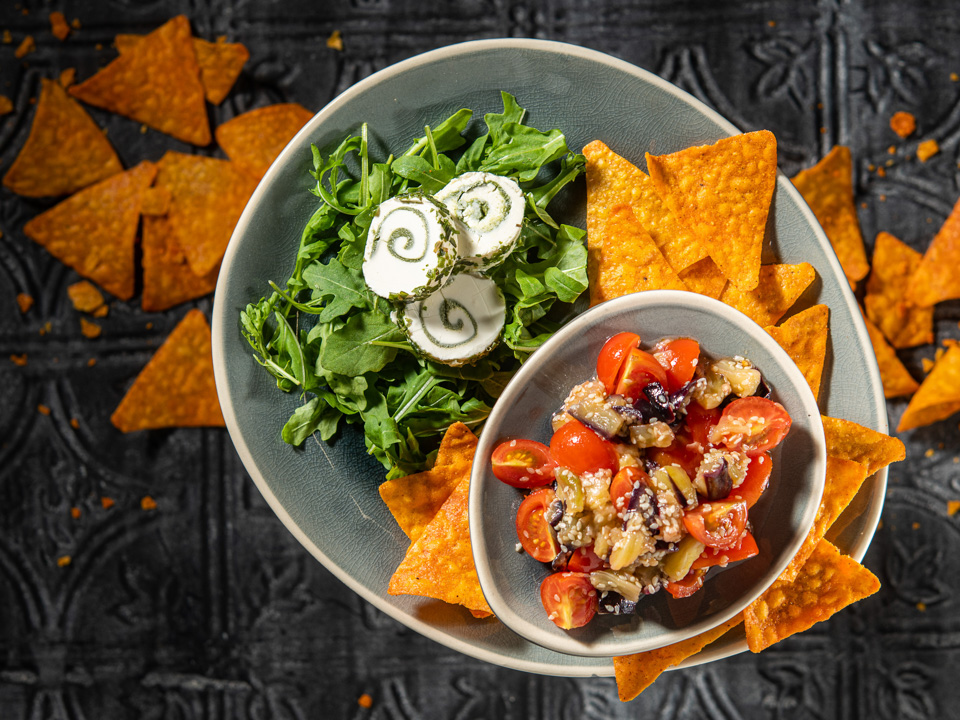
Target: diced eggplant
[[740, 373], [657, 405], [597, 416], [613, 603], [686, 492], [622, 583], [643, 502], [554, 513], [713, 390], [628, 549], [570, 490], [559, 563], [763, 390], [653, 434], [720, 471], [630, 414], [718, 481], [677, 565]]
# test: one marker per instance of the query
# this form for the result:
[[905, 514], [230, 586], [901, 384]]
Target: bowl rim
[[222, 322], [480, 478]]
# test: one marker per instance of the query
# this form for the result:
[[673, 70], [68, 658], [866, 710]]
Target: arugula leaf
[[417, 169], [313, 416], [525, 152], [345, 289], [353, 350]]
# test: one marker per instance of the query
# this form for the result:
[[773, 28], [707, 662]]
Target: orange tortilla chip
[[705, 278], [903, 124], [439, 564], [828, 583], [779, 288], [67, 77], [176, 388], [722, 193], [220, 63], [94, 231], [927, 149], [59, 26], [828, 189], [415, 500], [156, 201], [85, 297], [844, 478], [668, 232], [850, 441], [167, 277], [254, 140], [65, 150], [629, 259], [804, 337], [895, 377], [937, 279], [635, 673], [939, 394], [156, 83], [901, 322], [207, 197]]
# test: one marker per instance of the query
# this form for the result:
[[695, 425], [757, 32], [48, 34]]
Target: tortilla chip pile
[[189, 204]]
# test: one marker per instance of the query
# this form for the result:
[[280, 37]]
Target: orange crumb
[[953, 506], [928, 453], [903, 124], [881, 172], [75, 23], [954, 77], [863, 205], [74, 423], [927, 149], [101, 311], [75, 513], [24, 301], [106, 502], [916, 526], [892, 150], [98, 46], [823, 131], [63, 561], [143, 129], [6, 107], [871, 167], [19, 360], [148, 503], [91, 362], [820, 106], [889, 163], [68, 77], [7, 37], [43, 409], [26, 47], [922, 607], [58, 26], [880, 525], [335, 41], [90, 329], [927, 364], [365, 701], [149, 326]]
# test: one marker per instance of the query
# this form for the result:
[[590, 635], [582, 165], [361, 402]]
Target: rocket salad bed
[[368, 359]]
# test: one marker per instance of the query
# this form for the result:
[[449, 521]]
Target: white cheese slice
[[490, 210], [458, 324], [411, 248]]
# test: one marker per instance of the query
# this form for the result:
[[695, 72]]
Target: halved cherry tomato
[[523, 463], [756, 481], [751, 424], [686, 587], [534, 532], [580, 450], [584, 560], [569, 599], [717, 524], [639, 369], [622, 485], [698, 423], [611, 358], [747, 548], [678, 455], [679, 358]]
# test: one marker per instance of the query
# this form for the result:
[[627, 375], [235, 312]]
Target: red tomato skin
[[622, 485], [747, 548], [698, 423], [584, 560], [511, 459], [680, 456], [569, 599], [686, 587], [717, 524], [639, 369], [736, 420], [611, 358], [580, 450], [756, 481], [679, 358], [535, 534]]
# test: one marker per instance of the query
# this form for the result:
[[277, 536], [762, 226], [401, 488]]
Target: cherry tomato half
[[569, 599], [679, 359], [580, 450], [534, 532], [751, 424], [717, 524], [712, 556], [756, 481], [686, 587], [611, 358], [523, 463], [678, 455], [639, 369], [622, 486], [584, 560]]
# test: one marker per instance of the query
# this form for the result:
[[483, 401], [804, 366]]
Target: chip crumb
[[24, 301], [883, 198], [106, 502], [143, 129], [915, 526], [927, 149], [928, 453], [889, 163], [880, 525], [90, 329], [881, 172], [148, 503], [91, 362], [63, 560], [98, 46], [903, 124], [59, 26], [43, 409], [335, 40], [953, 506], [365, 701], [68, 77], [892, 150], [871, 167], [74, 423], [7, 37], [823, 130], [75, 513], [927, 364], [19, 360], [75, 23], [26, 47], [863, 205], [85, 296], [956, 460], [6, 105], [922, 607], [954, 77], [149, 326]]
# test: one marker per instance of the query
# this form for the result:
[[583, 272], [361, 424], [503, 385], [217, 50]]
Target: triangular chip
[[902, 323], [673, 238], [779, 288], [938, 396], [253, 140], [439, 564], [95, 230], [937, 279], [167, 277], [828, 189], [705, 278], [156, 201], [220, 63], [207, 198], [844, 478], [722, 193], [176, 388], [156, 83], [629, 260], [804, 337], [850, 441], [414, 500], [895, 377], [828, 583], [65, 150]]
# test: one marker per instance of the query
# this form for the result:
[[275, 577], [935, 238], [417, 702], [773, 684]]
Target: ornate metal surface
[[207, 608]]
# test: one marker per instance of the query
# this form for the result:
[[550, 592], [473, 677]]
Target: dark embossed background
[[207, 608]]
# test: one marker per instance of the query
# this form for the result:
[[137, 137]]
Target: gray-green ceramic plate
[[327, 496]]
